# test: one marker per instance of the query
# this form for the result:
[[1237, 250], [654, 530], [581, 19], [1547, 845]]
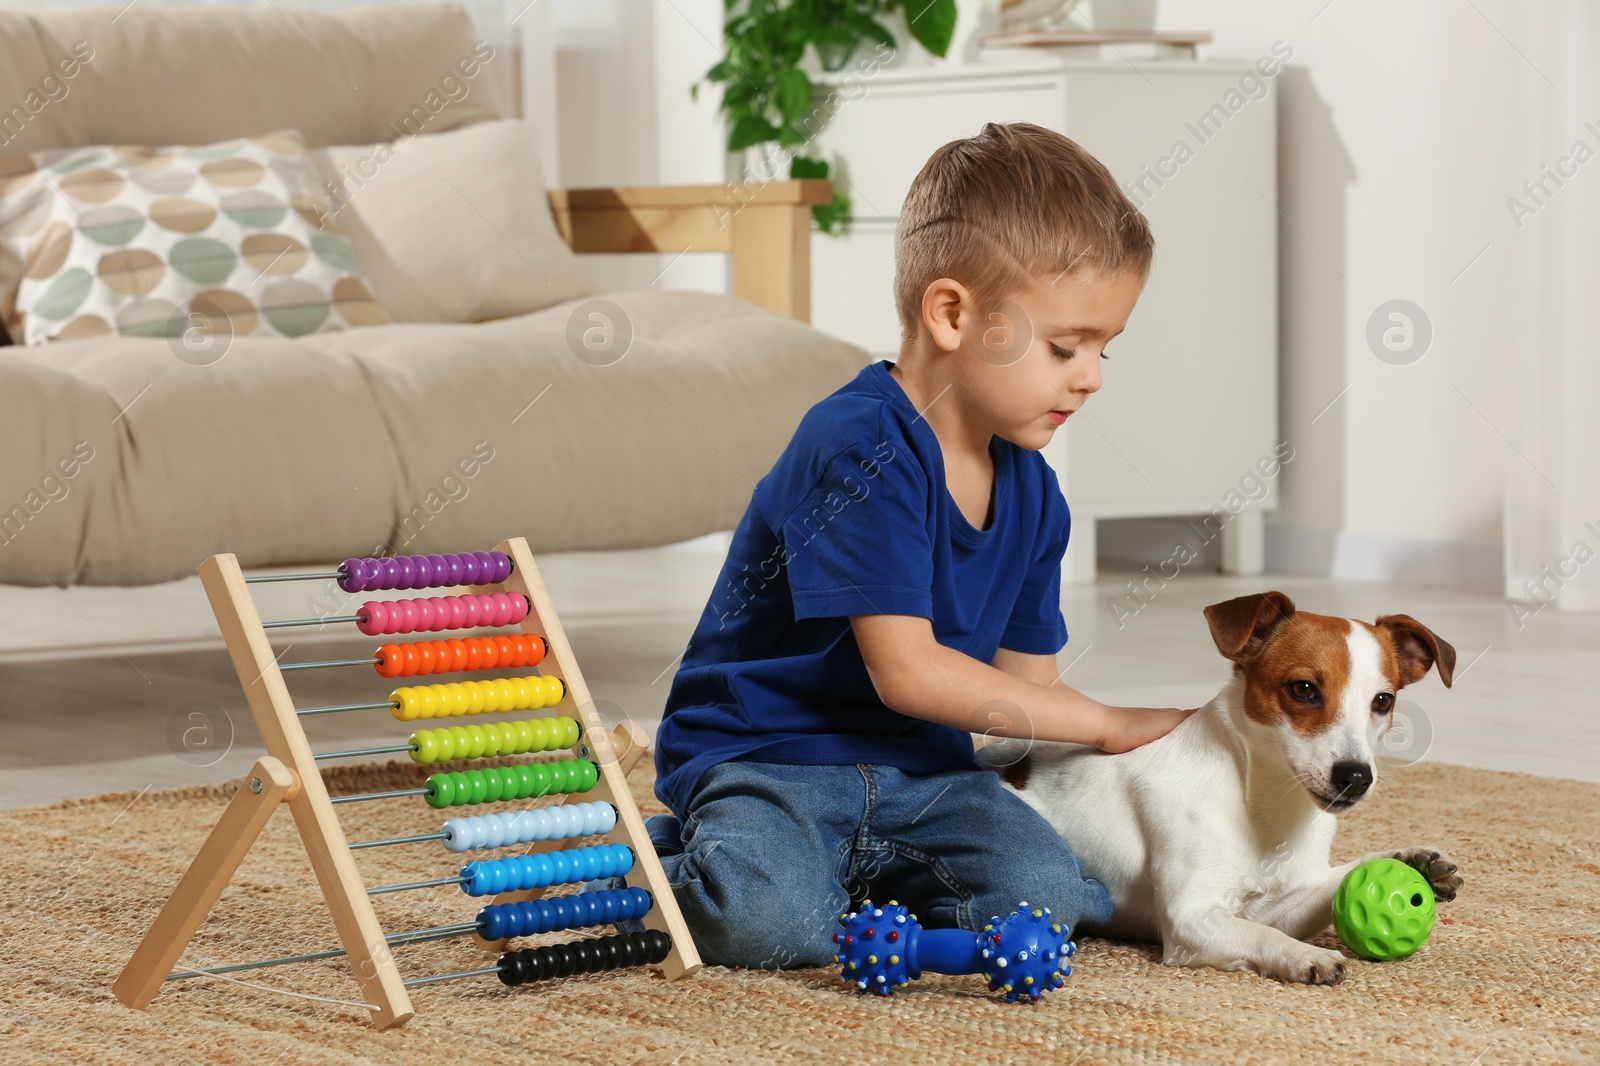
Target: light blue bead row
[[519, 872], [563, 822]]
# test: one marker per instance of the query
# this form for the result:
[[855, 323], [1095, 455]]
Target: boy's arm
[[916, 675], [1040, 669]]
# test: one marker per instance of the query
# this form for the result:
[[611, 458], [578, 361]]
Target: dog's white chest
[[1265, 879]]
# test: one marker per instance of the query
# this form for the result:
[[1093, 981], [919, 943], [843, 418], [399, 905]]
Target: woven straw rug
[[1511, 974]]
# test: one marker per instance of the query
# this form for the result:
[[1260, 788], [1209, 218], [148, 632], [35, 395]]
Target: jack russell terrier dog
[[1214, 840]]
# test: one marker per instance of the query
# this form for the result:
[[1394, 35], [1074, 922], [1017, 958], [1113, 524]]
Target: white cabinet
[[1188, 404]]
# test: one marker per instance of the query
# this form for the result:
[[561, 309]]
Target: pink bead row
[[435, 613]]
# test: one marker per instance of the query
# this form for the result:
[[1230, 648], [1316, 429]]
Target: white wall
[[1398, 149], [622, 72], [1395, 125]]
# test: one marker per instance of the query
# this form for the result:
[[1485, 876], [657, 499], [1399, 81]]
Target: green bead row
[[527, 780], [494, 738]]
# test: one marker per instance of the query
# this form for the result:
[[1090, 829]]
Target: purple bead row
[[424, 571]]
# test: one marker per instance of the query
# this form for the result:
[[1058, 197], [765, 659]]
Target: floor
[[123, 689]]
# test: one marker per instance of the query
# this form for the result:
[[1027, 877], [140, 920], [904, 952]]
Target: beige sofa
[[121, 464]]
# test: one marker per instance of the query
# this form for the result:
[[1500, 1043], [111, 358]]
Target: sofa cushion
[[140, 74], [188, 243], [454, 227], [406, 438]]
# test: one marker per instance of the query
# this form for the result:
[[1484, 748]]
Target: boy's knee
[[1072, 902], [756, 932], [744, 916], [666, 834], [1040, 882]]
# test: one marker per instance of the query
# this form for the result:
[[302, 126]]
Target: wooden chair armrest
[[765, 227]]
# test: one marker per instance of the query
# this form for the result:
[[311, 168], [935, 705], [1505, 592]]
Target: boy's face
[[1033, 361]]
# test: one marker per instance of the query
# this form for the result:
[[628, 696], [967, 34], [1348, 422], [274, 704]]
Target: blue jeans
[[770, 855]]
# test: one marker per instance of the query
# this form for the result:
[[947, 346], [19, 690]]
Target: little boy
[[894, 587]]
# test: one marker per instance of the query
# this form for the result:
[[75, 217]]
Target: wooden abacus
[[507, 590]]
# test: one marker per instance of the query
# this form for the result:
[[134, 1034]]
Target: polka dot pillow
[[228, 238]]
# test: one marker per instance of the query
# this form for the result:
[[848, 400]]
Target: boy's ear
[[946, 311]]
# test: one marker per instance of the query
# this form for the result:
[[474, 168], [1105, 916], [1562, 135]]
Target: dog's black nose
[[1352, 779]]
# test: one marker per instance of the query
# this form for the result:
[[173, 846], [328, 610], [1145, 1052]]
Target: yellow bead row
[[493, 738], [477, 697]]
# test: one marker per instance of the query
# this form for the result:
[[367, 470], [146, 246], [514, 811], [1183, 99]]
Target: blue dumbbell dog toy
[[884, 948]]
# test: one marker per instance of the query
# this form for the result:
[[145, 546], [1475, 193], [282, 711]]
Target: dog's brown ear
[[1418, 648], [1240, 625]]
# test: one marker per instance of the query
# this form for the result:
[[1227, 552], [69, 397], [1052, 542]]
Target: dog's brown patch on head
[[1016, 774], [1308, 647]]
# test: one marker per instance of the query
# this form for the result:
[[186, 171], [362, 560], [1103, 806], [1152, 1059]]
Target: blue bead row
[[501, 921], [519, 872]]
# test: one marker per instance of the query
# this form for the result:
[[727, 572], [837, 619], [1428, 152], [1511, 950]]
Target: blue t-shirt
[[854, 518]]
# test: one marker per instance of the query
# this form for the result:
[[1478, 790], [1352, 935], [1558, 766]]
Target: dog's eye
[[1304, 691], [1383, 703]]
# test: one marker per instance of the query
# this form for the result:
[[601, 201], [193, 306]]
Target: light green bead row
[[492, 739]]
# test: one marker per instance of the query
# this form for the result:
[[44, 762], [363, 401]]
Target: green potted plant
[[766, 91]]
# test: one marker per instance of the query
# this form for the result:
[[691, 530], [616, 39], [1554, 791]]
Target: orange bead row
[[506, 651]]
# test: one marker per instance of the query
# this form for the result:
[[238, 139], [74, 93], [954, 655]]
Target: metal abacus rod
[[409, 572], [491, 971], [504, 651], [390, 841], [483, 877], [494, 784], [411, 886], [414, 936], [541, 916], [533, 825], [425, 614], [364, 797], [531, 692], [517, 737], [262, 579], [330, 620], [393, 749], [343, 707], [329, 663], [564, 960]]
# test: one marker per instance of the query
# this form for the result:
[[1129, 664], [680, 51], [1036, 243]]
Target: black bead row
[[584, 956]]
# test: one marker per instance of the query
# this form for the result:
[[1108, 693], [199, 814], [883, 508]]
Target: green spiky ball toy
[[1384, 910]]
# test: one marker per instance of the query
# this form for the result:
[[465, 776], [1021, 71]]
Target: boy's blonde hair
[[1002, 209]]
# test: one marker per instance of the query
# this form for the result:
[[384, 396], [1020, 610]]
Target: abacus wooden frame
[[289, 774]]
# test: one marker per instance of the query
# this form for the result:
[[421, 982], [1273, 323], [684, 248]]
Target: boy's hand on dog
[[1127, 728]]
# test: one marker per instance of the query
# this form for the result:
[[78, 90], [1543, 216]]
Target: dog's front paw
[[1436, 866], [1308, 966]]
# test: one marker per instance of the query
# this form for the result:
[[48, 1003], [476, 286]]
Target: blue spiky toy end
[[882, 948]]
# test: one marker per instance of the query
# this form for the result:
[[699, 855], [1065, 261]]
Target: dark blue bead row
[[501, 921]]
